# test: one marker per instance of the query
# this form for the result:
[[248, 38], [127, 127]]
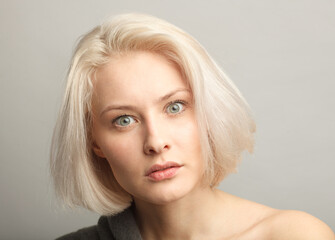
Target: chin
[[165, 199], [162, 194]]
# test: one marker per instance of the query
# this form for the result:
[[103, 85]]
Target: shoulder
[[82, 234], [96, 232], [257, 221], [119, 226], [292, 224]]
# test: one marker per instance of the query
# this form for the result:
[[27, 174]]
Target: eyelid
[[183, 102], [123, 115]]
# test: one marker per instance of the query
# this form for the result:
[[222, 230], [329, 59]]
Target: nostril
[[152, 149]]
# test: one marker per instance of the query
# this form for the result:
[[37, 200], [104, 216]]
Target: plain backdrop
[[280, 54]]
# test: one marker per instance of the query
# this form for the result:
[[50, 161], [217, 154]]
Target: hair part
[[225, 122]]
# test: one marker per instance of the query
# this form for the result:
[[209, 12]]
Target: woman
[[148, 128]]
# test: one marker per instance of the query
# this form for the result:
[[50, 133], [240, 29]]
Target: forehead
[[135, 76]]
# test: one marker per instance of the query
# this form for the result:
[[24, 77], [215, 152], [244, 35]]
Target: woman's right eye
[[123, 121]]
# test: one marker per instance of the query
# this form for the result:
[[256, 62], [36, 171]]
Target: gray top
[[119, 227]]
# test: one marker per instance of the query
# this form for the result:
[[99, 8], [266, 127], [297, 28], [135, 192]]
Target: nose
[[155, 141]]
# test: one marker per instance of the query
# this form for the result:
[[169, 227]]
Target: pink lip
[[161, 172]]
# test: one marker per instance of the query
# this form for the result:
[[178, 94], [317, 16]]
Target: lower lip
[[163, 174]]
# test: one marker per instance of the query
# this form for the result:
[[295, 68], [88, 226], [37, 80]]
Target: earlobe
[[97, 150]]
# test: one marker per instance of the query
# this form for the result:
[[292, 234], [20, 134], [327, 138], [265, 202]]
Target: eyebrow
[[130, 107]]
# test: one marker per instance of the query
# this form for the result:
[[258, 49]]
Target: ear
[[97, 150]]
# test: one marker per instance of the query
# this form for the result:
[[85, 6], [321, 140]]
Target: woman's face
[[144, 125]]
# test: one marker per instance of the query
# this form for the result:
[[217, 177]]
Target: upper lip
[[158, 167]]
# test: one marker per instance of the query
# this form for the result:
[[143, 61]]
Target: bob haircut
[[225, 123]]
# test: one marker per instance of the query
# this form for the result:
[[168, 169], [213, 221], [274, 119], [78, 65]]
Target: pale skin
[[144, 115]]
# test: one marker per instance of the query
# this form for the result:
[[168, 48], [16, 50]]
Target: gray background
[[281, 54]]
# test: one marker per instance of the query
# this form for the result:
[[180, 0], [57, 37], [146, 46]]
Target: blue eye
[[124, 121], [175, 107]]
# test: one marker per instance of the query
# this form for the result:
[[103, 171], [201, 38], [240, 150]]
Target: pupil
[[175, 108], [125, 121]]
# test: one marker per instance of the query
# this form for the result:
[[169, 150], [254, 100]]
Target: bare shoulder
[[292, 224], [251, 220]]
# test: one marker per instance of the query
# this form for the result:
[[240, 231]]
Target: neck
[[193, 215]]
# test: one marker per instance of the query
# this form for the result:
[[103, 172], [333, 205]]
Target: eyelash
[[184, 103], [118, 126]]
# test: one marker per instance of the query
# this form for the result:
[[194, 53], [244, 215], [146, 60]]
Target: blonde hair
[[225, 123]]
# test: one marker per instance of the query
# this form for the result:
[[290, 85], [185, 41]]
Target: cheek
[[122, 154], [188, 140], [188, 135]]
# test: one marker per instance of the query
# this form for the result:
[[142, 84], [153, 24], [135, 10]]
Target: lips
[[160, 172]]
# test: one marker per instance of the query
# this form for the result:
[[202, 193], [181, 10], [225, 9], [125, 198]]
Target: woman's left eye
[[175, 107]]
